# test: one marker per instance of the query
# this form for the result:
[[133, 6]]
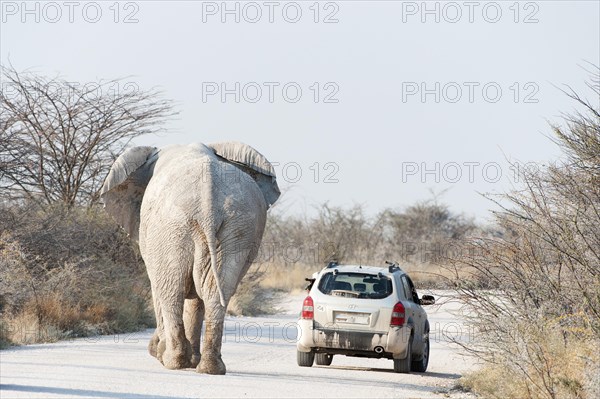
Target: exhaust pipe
[[379, 350]]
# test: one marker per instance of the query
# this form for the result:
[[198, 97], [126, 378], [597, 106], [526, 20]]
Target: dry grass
[[564, 369], [53, 317], [5, 341], [539, 322], [258, 290], [288, 278], [430, 275], [250, 298], [68, 273]]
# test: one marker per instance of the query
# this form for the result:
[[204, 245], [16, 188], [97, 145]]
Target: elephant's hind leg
[[193, 315], [230, 271], [170, 271], [153, 345], [213, 312], [211, 362], [177, 349]]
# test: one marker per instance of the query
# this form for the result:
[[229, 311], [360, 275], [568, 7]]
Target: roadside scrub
[[68, 273], [533, 292]]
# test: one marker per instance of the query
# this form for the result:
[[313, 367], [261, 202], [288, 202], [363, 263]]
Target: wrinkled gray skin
[[198, 213]]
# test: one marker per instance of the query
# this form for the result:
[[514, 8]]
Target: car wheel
[[403, 365], [305, 359], [420, 365], [324, 359]]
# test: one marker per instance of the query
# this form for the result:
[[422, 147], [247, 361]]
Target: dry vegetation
[[530, 283], [293, 248], [58, 139], [67, 273], [66, 269], [419, 237], [533, 293]]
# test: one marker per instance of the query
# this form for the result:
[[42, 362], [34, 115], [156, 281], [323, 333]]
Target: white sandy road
[[260, 356]]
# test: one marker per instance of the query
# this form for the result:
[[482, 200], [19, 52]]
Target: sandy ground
[[260, 355]]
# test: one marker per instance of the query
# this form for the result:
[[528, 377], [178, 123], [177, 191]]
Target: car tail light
[[398, 315], [308, 308]]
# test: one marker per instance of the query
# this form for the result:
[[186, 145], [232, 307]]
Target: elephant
[[198, 214]]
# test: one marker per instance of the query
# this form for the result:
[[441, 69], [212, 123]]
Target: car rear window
[[356, 285]]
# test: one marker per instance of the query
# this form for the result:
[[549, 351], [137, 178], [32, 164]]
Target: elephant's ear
[[252, 162], [124, 187]]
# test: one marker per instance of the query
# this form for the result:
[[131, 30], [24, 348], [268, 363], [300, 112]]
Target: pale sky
[[408, 100]]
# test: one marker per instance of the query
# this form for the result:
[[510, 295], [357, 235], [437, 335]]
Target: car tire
[[305, 359], [324, 359], [403, 365], [420, 365]]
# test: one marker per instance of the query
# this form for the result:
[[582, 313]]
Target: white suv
[[364, 311]]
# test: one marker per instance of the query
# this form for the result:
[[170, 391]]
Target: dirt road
[[260, 356]]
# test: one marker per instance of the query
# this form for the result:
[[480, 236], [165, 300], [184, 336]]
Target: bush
[[562, 369], [417, 237], [68, 273], [4, 335], [293, 248], [251, 299], [533, 293]]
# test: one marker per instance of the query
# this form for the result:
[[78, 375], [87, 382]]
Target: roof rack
[[392, 266]]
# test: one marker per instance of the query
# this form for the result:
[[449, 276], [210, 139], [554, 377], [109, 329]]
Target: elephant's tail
[[211, 236]]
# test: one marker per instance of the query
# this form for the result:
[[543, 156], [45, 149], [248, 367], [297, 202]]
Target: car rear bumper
[[392, 343]]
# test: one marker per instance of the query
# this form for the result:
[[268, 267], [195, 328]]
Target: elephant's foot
[[153, 346], [160, 350], [195, 360], [175, 360], [211, 365]]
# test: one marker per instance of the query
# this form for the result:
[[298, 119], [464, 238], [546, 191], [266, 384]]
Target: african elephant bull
[[198, 213]]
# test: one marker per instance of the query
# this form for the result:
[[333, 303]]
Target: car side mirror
[[427, 300], [311, 282]]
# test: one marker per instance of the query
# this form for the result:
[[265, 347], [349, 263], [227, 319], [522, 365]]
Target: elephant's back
[[191, 182]]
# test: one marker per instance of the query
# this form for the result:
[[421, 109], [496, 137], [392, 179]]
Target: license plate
[[352, 318]]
